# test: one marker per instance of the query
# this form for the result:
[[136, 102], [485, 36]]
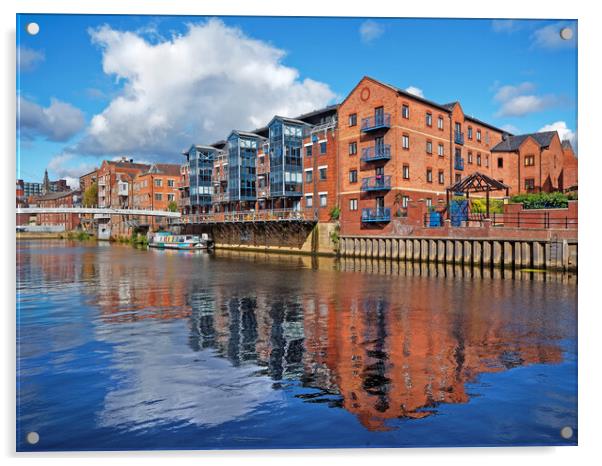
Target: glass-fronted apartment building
[[200, 167], [286, 161], [242, 171]]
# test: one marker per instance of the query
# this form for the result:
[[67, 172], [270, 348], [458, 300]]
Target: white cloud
[[415, 90], [60, 166], [511, 129], [57, 122], [504, 93], [505, 25], [524, 104], [519, 100], [564, 132], [548, 37], [371, 30], [28, 59], [193, 88]]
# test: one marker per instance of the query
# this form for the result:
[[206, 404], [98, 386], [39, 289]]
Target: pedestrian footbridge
[[97, 211]]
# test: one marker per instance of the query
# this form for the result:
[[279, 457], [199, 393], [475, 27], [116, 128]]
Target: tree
[[91, 195], [172, 206]]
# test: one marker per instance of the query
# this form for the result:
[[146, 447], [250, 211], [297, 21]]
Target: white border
[[590, 172]]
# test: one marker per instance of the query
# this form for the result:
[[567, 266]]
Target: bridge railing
[[268, 215]]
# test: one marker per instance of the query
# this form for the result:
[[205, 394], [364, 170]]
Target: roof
[[247, 134], [57, 195], [478, 182], [566, 144], [128, 164], [169, 169], [512, 143]]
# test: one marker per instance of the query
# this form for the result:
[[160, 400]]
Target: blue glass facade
[[200, 161], [242, 172], [286, 163]]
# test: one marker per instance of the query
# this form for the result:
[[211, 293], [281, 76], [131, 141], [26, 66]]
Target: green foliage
[[78, 235], [335, 212], [91, 196], [172, 206], [335, 237], [541, 200], [479, 206]]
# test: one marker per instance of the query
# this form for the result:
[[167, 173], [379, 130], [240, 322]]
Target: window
[[441, 177], [429, 202], [500, 162], [158, 182], [309, 201], [323, 200], [440, 150], [479, 135], [323, 147], [158, 196], [479, 160], [262, 160], [353, 176], [405, 141], [405, 111], [429, 175], [406, 172], [440, 122], [171, 197], [404, 201], [309, 176], [458, 177], [352, 204], [469, 157], [308, 151], [486, 160], [429, 119], [529, 160], [171, 183], [529, 184], [429, 147], [352, 148], [353, 119], [322, 173], [470, 132]]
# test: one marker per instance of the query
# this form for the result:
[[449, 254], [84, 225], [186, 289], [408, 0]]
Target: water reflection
[[206, 339]]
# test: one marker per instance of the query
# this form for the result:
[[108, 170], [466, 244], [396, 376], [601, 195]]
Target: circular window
[[365, 94]]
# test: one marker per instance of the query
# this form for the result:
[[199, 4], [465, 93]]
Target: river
[[121, 348]]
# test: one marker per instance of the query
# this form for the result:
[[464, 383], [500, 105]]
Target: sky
[[95, 87]]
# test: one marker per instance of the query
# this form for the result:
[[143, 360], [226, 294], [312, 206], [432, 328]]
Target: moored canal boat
[[166, 240]]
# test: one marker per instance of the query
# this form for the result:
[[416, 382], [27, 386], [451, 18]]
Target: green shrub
[[335, 212], [554, 200], [479, 206]]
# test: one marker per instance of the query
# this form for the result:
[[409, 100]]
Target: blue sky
[[95, 87]]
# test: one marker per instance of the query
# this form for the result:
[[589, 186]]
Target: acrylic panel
[[293, 232]]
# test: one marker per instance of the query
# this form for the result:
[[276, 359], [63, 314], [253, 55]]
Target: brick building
[[156, 189], [87, 180], [59, 199]]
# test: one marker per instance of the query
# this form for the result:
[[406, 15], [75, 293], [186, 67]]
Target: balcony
[[376, 183], [378, 215], [458, 137], [459, 163], [219, 198], [376, 153], [183, 202], [376, 122]]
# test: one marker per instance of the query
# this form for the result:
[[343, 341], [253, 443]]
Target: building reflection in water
[[381, 341]]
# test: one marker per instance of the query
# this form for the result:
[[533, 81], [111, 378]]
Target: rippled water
[[121, 348]]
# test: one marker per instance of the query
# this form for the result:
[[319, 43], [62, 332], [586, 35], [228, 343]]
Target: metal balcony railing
[[459, 163], [376, 183], [375, 153], [376, 122], [380, 214], [458, 137]]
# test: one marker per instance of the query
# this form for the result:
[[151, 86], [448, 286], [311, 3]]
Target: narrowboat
[[166, 240]]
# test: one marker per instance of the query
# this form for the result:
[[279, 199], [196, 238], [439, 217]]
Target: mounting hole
[[566, 432], [32, 438], [566, 33], [32, 28]]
